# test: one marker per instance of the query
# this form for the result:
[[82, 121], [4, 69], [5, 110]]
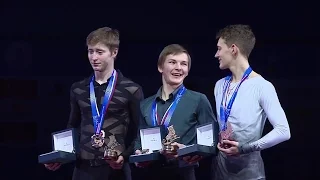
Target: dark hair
[[240, 35]]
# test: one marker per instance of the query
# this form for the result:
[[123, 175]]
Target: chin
[[97, 68], [175, 83], [222, 67]]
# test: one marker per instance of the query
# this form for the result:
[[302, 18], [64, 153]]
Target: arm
[[205, 115], [204, 111], [134, 107], [74, 122], [75, 114], [142, 125], [281, 132]]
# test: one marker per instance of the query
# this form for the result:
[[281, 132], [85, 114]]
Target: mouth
[[176, 74]]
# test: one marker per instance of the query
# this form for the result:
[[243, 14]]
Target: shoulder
[[219, 83], [195, 94], [146, 104], [266, 87], [197, 97], [129, 85], [81, 84], [262, 84], [147, 101]]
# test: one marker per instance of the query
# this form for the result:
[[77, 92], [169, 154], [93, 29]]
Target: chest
[[117, 104], [245, 103], [184, 113]]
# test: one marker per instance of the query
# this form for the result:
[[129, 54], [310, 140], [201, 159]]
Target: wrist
[[245, 148]]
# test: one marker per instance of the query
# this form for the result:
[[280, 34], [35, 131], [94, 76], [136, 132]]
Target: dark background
[[43, 51]]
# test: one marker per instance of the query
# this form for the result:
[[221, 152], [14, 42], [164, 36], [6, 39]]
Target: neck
[[167, 89], [238, 69], [103, 76]]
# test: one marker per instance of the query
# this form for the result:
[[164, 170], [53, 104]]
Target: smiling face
[[175, 68], [224, 54]]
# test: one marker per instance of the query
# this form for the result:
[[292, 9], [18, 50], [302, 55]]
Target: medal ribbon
[[97, 117], [168, 114], [224, 108]]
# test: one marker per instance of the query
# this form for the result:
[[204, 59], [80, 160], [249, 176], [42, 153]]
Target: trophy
[[226, 135], [168, 148], [110, 152]]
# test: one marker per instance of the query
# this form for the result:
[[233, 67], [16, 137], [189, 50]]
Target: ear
[[234, 49], [114, 52], [160, 69]]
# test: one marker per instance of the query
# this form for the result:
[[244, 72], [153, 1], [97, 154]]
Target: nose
[[216, 55], [94, 56], [178, 66]]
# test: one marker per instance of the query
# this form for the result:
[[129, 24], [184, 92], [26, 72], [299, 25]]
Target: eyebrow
[[177, 60], [90, 49]]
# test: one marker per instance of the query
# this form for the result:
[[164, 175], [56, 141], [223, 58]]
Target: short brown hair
[[173, 49], [105, 35], [240, 35]]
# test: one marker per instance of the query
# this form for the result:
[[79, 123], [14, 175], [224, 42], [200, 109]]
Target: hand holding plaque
[[111, 153], [150, 146], [168, 143], [207, 139]]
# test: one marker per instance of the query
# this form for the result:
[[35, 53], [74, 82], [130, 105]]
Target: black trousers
[[101, 172]]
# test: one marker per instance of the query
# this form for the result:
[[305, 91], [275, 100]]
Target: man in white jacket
[[244, 100]]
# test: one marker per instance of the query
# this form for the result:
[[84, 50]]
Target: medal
[[97, 141], [168, 114], [225, 109]]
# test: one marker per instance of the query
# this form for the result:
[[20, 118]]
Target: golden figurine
[[110, 152], [168, 148]]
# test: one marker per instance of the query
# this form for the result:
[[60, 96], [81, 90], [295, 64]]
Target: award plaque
[[168, 148], [65, 147], [111, 152], [151, 145], [206, 142]]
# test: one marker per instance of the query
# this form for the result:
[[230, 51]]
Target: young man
[[244, 101], [104, 107], [175, 105]]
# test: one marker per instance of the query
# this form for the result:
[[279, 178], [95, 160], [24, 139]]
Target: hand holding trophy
[[110, 152], [225, 135]]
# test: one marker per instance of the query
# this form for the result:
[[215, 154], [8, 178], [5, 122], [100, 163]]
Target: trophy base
[[56, 157], [197, 149], [169, 149], [225, 146], [111, 155]]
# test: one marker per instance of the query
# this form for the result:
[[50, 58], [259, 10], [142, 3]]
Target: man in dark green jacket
[[174, 105]]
